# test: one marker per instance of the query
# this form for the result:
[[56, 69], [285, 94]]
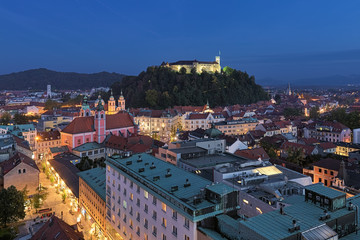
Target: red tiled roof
[[80, 125], [253, 154], [327, 145], [198, 115], [86, 124], [119, 120], [306, 148], [21, 142], [56, 228]]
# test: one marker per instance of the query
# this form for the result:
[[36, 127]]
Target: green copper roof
[[170, 183], [325, 191], [95, 178], [88, 146]]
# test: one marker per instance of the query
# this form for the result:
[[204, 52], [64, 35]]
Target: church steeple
[[111, 104], [121, 102], [85, 108]]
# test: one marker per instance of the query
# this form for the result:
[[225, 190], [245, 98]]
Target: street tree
[[12, 206]]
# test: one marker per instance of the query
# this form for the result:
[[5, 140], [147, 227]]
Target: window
[[146, 194], [124, 204], [320, 170], [154, 200], [186, 223], [138, 189], [124, 179], [78, 141], [154, 232], [24, 170], [325, 171], [124, 191], [138, 230], [163, 222], [154, 216], [131, 196], [131, 184], [320, 180], [325, 182], [163, 207], [19, 171], [146, 208], [138, 216], [186, 238], [331, 173], [174, 231], [145, 236], [174, 215], [146, 224], [163, 237], [138, 202]]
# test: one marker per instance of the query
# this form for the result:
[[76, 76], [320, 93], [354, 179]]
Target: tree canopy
[[161, 87], [12, 206]]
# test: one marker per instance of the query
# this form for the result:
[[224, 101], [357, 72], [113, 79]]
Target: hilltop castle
[[199, 66]]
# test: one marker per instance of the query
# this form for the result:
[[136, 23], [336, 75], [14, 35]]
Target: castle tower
[[111, 104], [85, 108], [121, 102], [100, 122], [217, 59]]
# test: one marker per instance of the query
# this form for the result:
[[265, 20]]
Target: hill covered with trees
[[161, 87], [39, 78]]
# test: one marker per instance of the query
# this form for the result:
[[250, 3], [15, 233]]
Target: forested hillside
[[39, 78], [160, 87]]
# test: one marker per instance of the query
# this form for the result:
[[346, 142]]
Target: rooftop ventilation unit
[[168, 174], [295, 227], [187, 183], [174, 188]]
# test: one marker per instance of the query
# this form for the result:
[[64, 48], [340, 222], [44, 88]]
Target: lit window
[[124, 204], [163, 207], [164, 222], [245, 201], [146, 194]]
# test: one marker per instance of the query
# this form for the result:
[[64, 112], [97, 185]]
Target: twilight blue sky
[[282, 40]]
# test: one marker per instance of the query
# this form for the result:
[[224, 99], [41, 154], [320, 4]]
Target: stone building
[[19, 171]]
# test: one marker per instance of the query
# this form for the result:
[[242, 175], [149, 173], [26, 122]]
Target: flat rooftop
[[215, 159]]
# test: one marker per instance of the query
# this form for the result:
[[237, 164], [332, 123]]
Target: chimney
[[282, 209], [139, 159]]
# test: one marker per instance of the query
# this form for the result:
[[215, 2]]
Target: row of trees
[[161, 87], [18, 118], [351, 120]]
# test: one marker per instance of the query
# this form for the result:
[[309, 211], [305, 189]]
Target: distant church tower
[[111, 104], [121, 102], [288, 90], [48, 91]]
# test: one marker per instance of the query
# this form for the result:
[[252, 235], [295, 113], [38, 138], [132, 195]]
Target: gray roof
[[88, 146], [213, 160]]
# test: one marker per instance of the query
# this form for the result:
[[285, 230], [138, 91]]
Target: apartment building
[[147, 198], [328, 131], [238, 127]]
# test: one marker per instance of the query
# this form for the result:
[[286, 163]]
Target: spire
[[342, 175], [111, 96]]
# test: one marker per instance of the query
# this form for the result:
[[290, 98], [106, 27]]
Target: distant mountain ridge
[[39, 78], [330, 81]]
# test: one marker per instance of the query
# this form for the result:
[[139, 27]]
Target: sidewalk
[[54, 201]]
